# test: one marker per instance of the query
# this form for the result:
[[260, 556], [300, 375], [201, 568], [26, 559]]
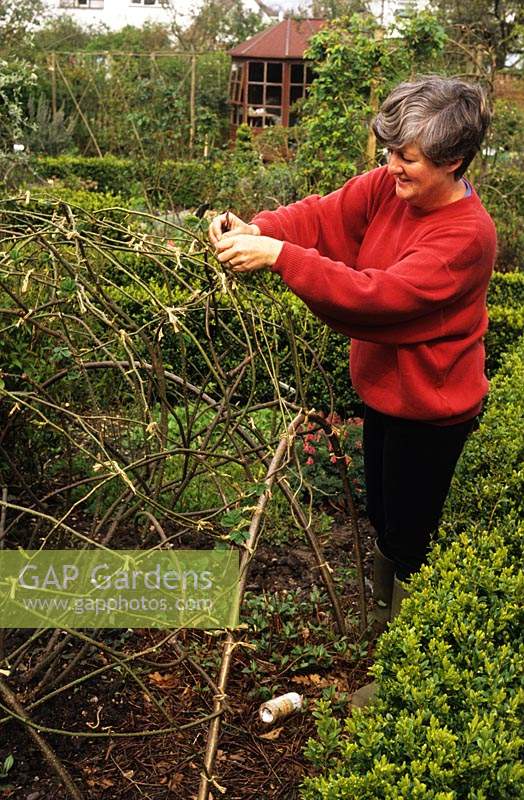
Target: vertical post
[[286, 86], [192, 106], [245, 85], [52, 70], [108, 106], [152, 65], [371, 146]]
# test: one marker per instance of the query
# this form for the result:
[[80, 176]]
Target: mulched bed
[[253, 761]]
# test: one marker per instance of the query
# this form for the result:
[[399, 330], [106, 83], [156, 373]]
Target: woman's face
[[422, 183]]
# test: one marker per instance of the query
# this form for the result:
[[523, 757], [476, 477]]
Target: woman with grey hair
[[399, 260]]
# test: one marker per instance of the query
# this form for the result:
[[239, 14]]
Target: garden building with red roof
[[269, 74]]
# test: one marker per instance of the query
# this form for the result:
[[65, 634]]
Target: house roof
[[288, 39]]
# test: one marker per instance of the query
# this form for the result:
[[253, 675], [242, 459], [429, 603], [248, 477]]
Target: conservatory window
[[264, 93], [300, 77], [236, 82]]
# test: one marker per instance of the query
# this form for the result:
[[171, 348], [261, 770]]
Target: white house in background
[[385, 10], [118, 13]]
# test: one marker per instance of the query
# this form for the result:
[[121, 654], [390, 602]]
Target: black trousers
[[408, 468]]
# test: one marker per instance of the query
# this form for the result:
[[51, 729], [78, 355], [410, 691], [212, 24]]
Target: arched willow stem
[[145, 392]]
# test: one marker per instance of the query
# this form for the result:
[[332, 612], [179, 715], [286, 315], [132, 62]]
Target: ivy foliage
[[357, 63]]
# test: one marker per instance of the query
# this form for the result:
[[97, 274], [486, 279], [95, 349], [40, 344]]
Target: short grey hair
[[447, 118]]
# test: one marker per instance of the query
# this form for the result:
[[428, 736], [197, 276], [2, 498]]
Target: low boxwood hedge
[[506, 289], [489, 481], [506, 324], [178, 184], [506, 316], [447, 724], [173, 184]]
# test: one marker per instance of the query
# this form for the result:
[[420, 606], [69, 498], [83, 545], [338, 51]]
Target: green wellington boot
[[399, 593], [365, 695], [383, 574]]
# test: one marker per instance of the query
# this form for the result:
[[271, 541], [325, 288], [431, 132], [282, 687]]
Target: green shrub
[[506, 289], [447, 724], [44, 197], [506, 316], [447, 721], [107, 174], [489, 481], [506, 324], [239, 181], [502, 193], [168, 183], [247, 185]]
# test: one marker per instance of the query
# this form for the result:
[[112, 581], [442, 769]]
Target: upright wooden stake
[[52, 70], [371, 147], [80, 112], [192, 106]]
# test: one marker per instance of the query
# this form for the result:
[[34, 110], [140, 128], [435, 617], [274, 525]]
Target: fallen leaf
[[163, 765], [175, 781], [313, 680], [274, 734], [167, 681]]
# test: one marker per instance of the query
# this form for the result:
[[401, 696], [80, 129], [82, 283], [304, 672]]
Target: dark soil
[[253, 761]]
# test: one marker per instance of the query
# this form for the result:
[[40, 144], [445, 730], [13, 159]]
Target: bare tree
[[215, 24], [494, 25]]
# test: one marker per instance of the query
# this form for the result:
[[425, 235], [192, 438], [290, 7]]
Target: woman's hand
[[247, 252], [229, 223]]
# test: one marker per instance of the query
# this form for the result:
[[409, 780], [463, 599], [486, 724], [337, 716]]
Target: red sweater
[[409, 287]]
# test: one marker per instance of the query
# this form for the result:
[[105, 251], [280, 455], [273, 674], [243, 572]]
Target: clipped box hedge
[[175, 184], [506, 316], [506, 289], [447, 724], [107, 174]]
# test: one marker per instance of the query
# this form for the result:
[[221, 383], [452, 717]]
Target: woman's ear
[[454, 165]]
